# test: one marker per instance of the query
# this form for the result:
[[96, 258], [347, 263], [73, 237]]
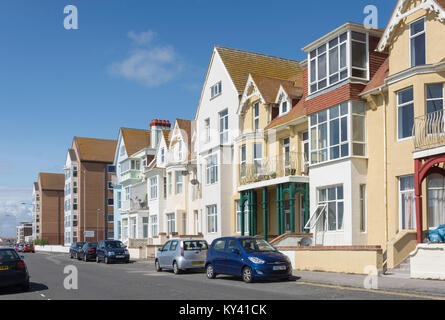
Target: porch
[[274, 207]]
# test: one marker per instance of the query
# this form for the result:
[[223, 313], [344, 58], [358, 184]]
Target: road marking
[[42, 295], [394, 293], [137, 271], [157, 274]]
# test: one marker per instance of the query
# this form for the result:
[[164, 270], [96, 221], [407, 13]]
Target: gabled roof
[[269, 88], [399, 15], [135, 140], [166, 134], [52, 181], [240, 64], [186, 127], [72, 154], [96, 150], [379, 78]]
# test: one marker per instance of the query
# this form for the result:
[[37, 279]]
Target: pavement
[[140, 281]]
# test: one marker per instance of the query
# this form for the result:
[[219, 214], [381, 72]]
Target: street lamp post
[[97, 227]]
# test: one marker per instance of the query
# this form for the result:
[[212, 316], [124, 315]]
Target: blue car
[[112, 251], [248, 257]]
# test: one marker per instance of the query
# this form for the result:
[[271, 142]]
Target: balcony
[[130, 177], [429, 131], [272, 168], [137, 200]]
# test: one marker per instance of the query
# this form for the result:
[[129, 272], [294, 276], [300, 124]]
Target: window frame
[[212, 214], [402, 106], [337, 201], [154, 188], [256, 116], [212, 165], [412, 37], [224, 127], [399, 195], [179, 182], [434, 99], [216, 90]]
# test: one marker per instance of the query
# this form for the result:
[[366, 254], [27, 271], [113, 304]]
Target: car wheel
[[106, 260], [79, 257], [210, 272], [85, 258], [247, 275], [158, 266], [176, 269], [71, 255], [25, 286]]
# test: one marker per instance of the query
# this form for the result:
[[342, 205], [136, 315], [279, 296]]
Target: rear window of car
[[8, 255], [195, 245], [219, 245], [92, 245]]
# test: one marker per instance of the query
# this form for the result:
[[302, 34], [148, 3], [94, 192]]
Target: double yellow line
[[394, 293]]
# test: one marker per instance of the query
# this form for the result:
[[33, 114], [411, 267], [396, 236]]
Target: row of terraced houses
[[338, 160]]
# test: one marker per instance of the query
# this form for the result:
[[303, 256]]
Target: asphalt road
[[140, 281]]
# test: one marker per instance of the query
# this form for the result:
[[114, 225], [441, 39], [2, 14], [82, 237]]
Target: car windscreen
[[195, 245], [8, 255], [80, 244], [114, 244], [92, 245], [256, 245]]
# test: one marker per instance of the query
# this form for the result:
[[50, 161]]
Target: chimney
[[156, 127]]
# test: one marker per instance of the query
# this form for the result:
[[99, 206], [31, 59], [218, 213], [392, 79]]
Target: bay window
[[179, 180], [257, 157], [243, 161], [345, 55], [153, 188], [212, 222]]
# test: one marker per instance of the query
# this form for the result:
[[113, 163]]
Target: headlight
[[287, 259], [111, 253], [256, 260], [127, 252]]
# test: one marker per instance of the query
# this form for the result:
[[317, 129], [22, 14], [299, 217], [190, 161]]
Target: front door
[[287, 224], [162, 255]]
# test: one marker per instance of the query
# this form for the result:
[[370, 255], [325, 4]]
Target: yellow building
[[405, 130], [271, 171]]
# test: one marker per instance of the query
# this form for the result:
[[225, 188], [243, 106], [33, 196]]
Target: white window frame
[[327, 202], [171, 223], [434, 99], [212, 168], [179, 182], [207, 130], [400, 193], [411, 37], [401, 106], [212, 219], [243, 161], [216, 90], [154, 225], [256, 116], [154, 188], [224, 127]]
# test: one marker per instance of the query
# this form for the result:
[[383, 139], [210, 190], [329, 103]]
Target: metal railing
[[429, 130], [290, 164]]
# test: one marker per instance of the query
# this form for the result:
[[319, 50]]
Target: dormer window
[[284, 107], [216, 90], [418, 43], [345, 55]]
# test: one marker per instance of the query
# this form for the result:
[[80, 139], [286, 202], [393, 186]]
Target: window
[[216, 90], [122, 150], [171, 223], [407, 203], [133, 228], [243, 161], [405, 112], [212, 223], [224, 127], [162, 155], [153, 188], [258, 157], [74, 203], [330, 65], [434, 98], [284, 107], [110, 201], [165, 187], [145, 227], [359, 55], [238, 217], [75, 171], [436, 200], [286, 155], [111, 169], [179, 179], [179, 150], [418, 43], [110, 234], [219, 245], [119, 200], [119, 229], [256, 116], [170, 183], [333, 198], [110, 218], [329, 134], [127, 193], [207, 129], [154, 225], [362, 208], [110, 186], [358, 111], [212, 169]]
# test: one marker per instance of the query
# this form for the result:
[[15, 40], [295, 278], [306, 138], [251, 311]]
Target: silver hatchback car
[[182, 254]]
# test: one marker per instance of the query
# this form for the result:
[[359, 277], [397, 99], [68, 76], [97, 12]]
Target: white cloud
[[152, 65], [143, 38], [12, 211]]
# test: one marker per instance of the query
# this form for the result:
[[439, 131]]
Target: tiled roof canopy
[[135, 140], [240, 64], [52, 181], [99, 150], [379, 78]]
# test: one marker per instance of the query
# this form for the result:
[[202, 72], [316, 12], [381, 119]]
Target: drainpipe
[[385, 166]]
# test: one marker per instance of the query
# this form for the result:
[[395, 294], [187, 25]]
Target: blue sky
[[129, 62]]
